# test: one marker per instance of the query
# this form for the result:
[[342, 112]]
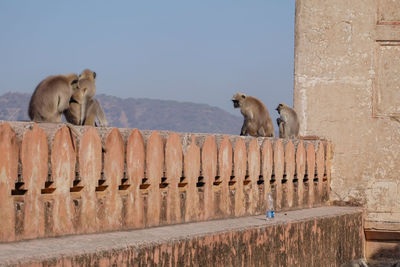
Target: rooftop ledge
[[292, 231]]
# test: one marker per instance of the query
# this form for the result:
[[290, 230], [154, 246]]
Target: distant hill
[[145, 114]]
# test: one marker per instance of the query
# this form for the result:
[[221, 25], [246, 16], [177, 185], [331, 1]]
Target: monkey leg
[[95, 111], [57, 118], [282, 130], [90, 120], [261, 132], [243, 131]]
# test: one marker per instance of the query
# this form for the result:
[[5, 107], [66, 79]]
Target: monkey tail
[[73, 131]]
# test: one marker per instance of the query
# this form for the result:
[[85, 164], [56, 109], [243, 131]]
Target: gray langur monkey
[[257, 121], [288, 122], [93, 111], [51, 98], [87, 81]]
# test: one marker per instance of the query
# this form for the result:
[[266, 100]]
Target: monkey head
[[238, 99], [72, 79], [75, 85], [87, 74], [280, 107]]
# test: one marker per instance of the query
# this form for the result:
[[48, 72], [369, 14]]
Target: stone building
[[347, 89]]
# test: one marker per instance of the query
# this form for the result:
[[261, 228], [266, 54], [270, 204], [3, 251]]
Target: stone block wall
[[347, 89], [52, 183]]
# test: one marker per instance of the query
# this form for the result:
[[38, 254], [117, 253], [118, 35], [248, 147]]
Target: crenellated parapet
[[53, 183]]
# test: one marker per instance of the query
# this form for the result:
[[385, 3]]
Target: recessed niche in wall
[[387, 79], [388, 12]]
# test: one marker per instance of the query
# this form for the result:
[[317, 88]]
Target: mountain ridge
[[142, 113]]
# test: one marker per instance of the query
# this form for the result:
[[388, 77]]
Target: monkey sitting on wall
[[288, 122], [93, 111], [257, 121], [51, 98]]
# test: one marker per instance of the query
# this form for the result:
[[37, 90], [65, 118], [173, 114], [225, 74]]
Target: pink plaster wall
[[52, 183]]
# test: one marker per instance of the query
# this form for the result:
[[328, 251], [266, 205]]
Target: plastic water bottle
[[270, 207]]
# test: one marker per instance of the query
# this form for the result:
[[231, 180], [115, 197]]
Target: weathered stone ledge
[[325, 236]]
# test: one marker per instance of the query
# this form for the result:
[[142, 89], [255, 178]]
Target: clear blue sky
[[198, 51]]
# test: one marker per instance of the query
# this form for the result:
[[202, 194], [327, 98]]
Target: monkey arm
[[285, 117], [83, 113], [100, 114], [243, 131]]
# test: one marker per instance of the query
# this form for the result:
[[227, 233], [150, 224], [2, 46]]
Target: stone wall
[[53, 184], [347, 90], [324, 236]]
